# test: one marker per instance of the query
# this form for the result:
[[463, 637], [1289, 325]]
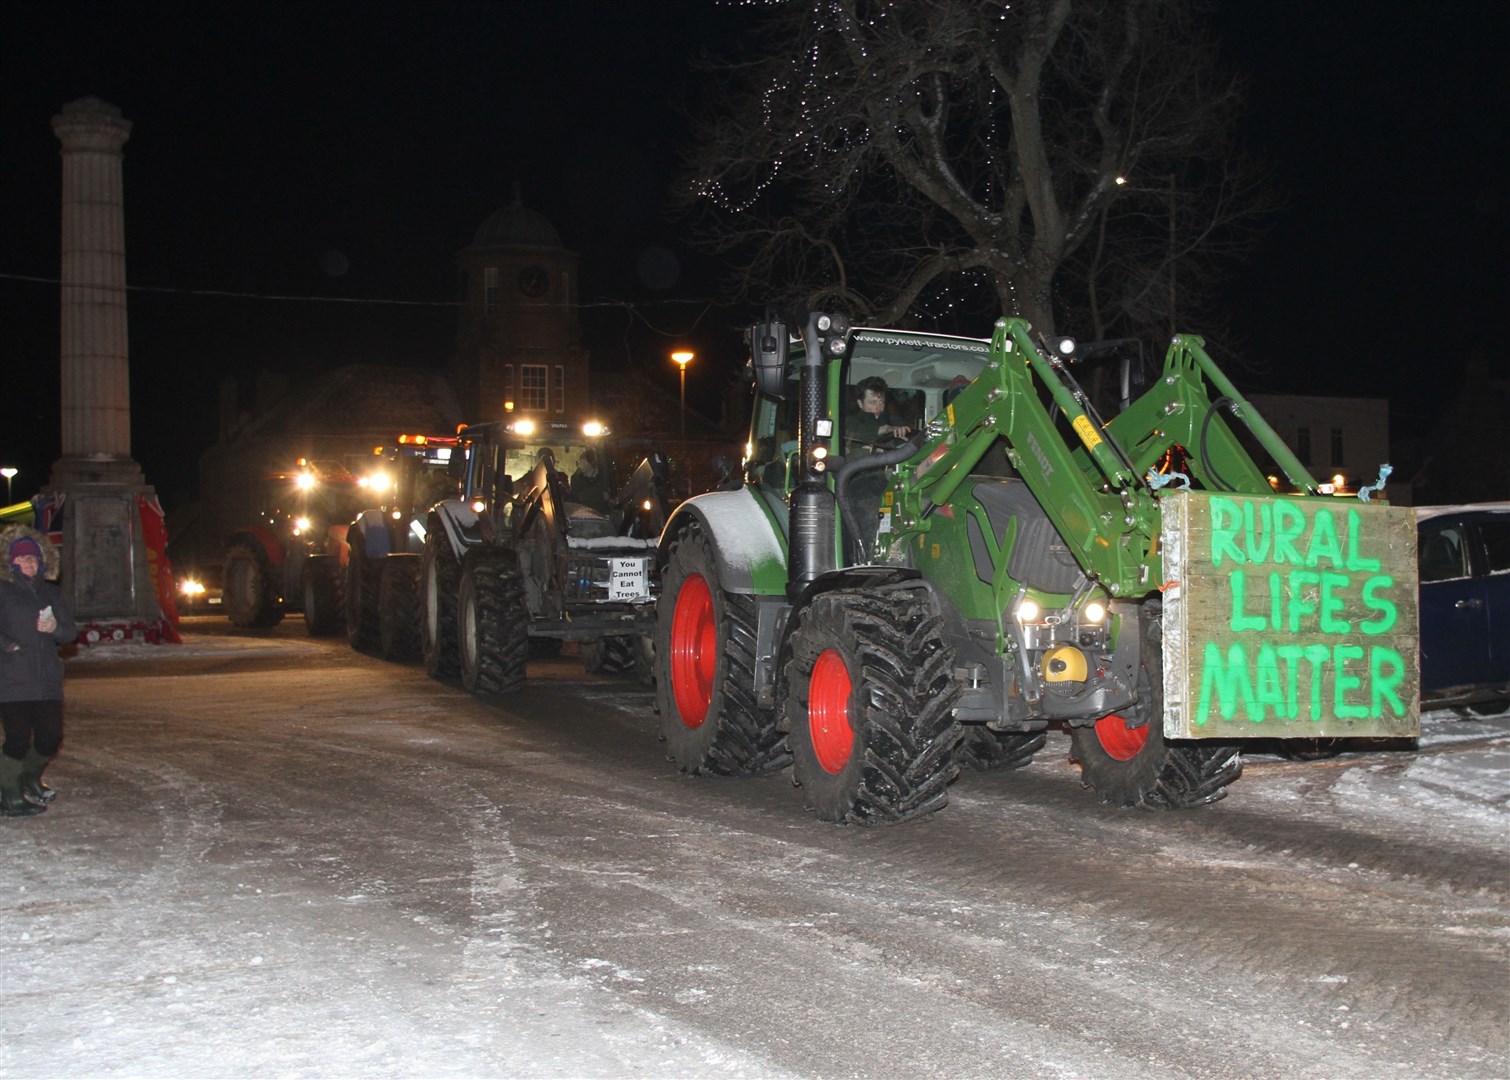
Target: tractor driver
[[866, 427], [587, 485]]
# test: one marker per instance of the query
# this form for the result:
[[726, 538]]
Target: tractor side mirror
[[768, 357]]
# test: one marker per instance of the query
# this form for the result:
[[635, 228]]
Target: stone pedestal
[[95, 485]]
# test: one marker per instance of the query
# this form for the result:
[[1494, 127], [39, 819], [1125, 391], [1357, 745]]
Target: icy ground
[[272, 858]]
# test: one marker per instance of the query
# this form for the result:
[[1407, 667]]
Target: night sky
[[330, 152]]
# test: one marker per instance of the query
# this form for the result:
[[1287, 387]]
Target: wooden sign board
[[1289, 618]]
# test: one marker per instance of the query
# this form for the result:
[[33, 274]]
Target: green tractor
[[890, 597]]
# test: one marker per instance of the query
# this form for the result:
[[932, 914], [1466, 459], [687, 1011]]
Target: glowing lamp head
[[523, 427], [305, 481], [1027, 611], [594, 429]]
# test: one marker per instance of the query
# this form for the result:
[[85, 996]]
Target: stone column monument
[[97, 491]]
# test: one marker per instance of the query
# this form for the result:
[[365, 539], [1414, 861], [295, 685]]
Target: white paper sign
[[629, 578]]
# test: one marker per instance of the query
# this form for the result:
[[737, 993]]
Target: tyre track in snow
[[542, 841]]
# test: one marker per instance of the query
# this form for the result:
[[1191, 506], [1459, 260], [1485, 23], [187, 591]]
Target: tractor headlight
[[1027, 611], [1094, 612]]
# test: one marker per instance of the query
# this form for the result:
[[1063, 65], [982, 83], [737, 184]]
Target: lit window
[[532, 387]]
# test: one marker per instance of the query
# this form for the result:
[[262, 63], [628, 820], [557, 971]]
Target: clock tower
[[519, 339]]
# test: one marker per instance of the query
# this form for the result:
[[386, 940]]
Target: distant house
[[1334, 437]]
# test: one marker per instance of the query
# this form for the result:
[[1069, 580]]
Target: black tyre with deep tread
[[440, 574], [492, 623], [985, 750], [618, 654], [249, 590], [363, 585], [324, 596], [1162, 774], [869, 704], [399, 608], [706, 700]]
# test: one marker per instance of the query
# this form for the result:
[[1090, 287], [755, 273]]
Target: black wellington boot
[[31, 777], [12, 802]]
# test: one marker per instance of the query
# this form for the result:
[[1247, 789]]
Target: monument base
[[109, 527]]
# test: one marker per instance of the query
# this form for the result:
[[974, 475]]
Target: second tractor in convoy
[[542, 547]]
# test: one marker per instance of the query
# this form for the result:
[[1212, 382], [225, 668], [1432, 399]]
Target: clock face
[[533, 281]]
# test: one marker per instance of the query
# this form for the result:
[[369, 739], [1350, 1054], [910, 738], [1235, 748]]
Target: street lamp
[[683, 358], [9, 474]]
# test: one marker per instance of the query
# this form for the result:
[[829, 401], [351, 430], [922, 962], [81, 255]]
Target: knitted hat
[[24, 545]]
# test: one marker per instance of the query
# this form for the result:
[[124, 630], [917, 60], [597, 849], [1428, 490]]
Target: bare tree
[[908, 159]]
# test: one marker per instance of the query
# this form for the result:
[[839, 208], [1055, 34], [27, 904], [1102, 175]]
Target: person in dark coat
[[587, 486], [34, 622]]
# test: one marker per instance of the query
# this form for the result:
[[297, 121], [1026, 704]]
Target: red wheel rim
[[1121, 742], [828, 712], [694, 651]]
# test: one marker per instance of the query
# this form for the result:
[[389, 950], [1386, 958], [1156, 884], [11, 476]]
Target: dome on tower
[[516, 225]]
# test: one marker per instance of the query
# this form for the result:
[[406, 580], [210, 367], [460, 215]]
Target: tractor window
[[773, 438]]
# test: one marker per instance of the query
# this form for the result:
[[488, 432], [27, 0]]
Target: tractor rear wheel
[[441, 583], [249, 591], [399, 608], [324, 596], [869, 704], [704, 657], [492, 623], [363, 581], [1127, 760]]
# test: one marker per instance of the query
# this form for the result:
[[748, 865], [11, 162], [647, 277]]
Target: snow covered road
[[273, 857]]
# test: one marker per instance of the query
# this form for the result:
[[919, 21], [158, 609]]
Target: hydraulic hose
[[867, 463]]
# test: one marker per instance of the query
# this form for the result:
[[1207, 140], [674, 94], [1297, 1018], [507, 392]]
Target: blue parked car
[[1464, 559]]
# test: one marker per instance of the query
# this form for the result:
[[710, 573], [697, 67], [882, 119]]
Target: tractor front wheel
[[324, 599], [363, 580], [618, 654], [869, 704], [1126, 758], [492, 623], [249, 590]]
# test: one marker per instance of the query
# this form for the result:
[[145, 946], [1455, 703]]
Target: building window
[[490, 290], [532, 387], [1337, 446], [560, 388], [1303, 445]]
